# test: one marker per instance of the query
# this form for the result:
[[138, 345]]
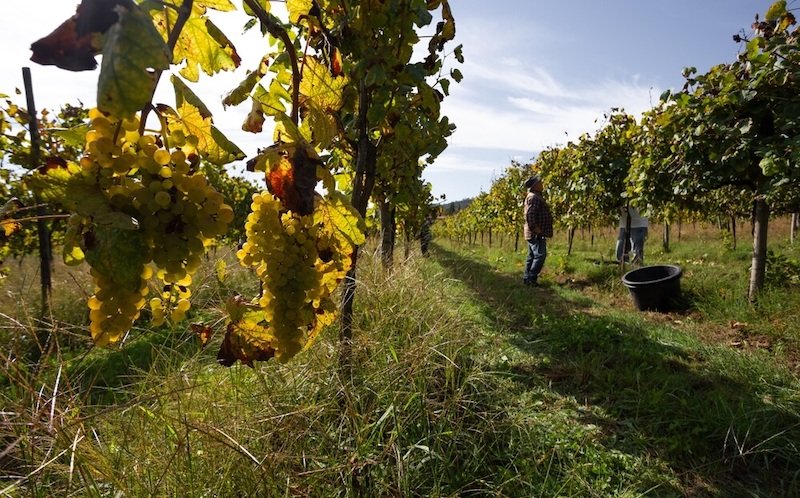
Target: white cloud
[[525, 108]]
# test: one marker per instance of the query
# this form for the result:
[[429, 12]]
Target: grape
[[162, 199]]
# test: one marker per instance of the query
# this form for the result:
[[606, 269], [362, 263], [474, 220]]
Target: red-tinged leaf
[[64, 49], [52, 163], [75, 43], [280, 179], [254, 122], [336, 62], [203, 333], [233, 348], [291, 176]]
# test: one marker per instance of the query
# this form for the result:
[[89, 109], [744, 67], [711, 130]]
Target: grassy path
[[620, 403]]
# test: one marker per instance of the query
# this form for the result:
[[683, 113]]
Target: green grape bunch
[[300, 262], [139, 211]]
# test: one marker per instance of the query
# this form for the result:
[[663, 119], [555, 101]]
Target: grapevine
[[330, 94]]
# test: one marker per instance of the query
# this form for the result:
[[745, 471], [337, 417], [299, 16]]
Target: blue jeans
[[637, 238], [537, 252]]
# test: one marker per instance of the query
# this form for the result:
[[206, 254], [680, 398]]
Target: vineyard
[[171, 329]]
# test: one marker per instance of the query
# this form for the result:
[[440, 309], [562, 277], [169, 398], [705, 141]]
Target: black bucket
[[654, 288]]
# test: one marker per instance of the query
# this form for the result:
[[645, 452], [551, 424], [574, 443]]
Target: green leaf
[[445, 84], [459, 53], [456, 75], [74, 137], [132, 53], [118, 255], [337, 212], [195, 118], [242, 92], [775, 11]]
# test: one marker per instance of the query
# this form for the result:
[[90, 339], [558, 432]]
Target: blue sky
[[537, 73]]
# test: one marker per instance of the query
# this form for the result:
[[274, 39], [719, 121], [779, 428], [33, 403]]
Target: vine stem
[[36, 218], [277, 31], [184, 11]]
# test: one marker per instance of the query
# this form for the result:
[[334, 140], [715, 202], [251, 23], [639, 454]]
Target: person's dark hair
[[530, 182]]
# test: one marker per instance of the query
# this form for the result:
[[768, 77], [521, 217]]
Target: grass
[[465, 383]]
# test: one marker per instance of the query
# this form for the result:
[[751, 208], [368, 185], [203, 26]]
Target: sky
[[537, 73]]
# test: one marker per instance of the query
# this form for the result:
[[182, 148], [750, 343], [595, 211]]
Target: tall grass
[[465, 383]]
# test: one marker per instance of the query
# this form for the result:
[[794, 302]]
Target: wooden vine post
[[43, 232]]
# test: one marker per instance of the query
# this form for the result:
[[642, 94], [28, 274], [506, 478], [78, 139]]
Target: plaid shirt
[[538, 220]]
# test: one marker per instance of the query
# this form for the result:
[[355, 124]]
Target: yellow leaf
[[9, 227], [73, 255], [201, 44], [776, 10], [319, 88], [220, 5], [297, 9], [338, 214]]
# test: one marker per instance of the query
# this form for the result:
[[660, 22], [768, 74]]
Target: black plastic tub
[[654, 288]]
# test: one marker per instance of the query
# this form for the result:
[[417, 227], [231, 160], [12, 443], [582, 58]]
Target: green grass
[[464, 383]]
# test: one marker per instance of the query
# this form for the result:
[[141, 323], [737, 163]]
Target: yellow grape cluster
[[113, 308], [152, 179], [283, 248]]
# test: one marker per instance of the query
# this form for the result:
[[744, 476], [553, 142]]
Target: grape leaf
[[776, 10], [8, 227], [203, 333], [242, 92], [254, 122], [72, 252], [319, 88], [201, 45], [74, 44], [65, 49], [133, 50], [265, 4], [75, 137], [272, 100], [297, 9], [118, 255], [337, 212], [66, 187], [195, 118], [220, 5], [246, 338]]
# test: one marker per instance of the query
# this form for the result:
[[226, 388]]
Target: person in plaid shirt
[[538, 227]]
